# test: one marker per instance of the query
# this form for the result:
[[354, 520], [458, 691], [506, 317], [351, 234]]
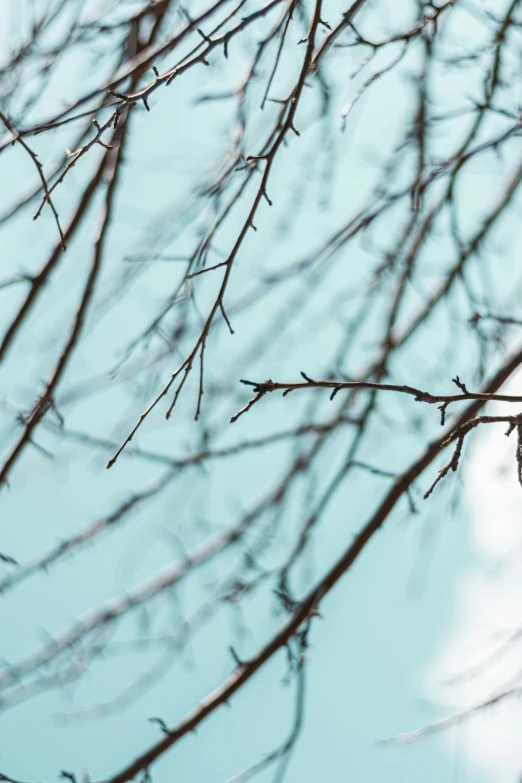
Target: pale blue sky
[[385, 621]]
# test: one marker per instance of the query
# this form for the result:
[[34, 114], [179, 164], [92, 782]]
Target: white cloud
[[481, 657]]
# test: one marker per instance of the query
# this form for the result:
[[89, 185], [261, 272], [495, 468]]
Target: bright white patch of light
[[483, 653]]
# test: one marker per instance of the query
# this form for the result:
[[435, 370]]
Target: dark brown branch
[[311, 601], [266, 387]]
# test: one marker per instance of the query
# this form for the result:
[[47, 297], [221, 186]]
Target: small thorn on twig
[[119, 95], [8, 559], [235, 656], [161, 723], [462, 386], [411, 502]]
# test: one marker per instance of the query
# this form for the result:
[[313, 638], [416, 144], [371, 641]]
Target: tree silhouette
[[290, 229]]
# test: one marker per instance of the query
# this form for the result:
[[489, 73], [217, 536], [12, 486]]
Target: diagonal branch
[[309, 605]]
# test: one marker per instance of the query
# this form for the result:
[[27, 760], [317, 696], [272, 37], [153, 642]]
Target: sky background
[[404, 619]]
